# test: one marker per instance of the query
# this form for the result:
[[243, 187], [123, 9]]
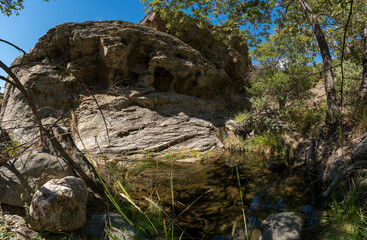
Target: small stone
[[59, 205], [24, 233]]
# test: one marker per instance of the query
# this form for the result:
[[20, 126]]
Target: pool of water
[[206, 196]]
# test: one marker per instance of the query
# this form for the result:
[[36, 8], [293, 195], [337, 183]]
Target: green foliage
[[5, 232], [304, 117], [242, 117], [271, 85], [352, 81], [346, 216], [359, 114], [9, 7], [226, 16], [268, 143]]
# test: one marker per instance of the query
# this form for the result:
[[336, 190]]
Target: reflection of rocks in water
[[207, 214], [311, 214]]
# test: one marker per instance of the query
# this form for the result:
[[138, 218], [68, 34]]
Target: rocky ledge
[[156, 93]]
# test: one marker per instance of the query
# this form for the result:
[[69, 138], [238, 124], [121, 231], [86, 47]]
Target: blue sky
[[39, 16]]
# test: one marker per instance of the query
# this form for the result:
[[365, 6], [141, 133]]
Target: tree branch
[[89, 181], [13, 45], [79, 80], [341, 175]]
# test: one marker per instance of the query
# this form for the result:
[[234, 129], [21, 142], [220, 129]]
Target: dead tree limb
[[13, 45], [96, 187], [81, 81], [341, 175]]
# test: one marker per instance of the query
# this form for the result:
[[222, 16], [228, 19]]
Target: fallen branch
[[341, 175]]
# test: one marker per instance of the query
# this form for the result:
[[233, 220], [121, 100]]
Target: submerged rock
[[156, 92], [59, 205], [114, 223], [281, 226]]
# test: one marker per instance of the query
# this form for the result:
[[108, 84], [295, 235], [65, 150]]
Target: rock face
[[21, 177], [156, 92], [232, 57], [281, 226], [59, 205]]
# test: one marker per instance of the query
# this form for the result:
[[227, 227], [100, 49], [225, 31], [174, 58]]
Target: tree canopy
[[9, 7]]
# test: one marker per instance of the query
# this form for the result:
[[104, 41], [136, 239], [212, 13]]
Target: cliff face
[[232, 57], [156, 92]]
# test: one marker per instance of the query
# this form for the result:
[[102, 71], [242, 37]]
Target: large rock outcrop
[[232, 57], [156, 92]]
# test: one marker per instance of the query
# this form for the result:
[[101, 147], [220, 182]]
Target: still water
[[206, 196]]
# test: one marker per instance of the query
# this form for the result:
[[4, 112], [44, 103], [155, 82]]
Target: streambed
[[206, 195]]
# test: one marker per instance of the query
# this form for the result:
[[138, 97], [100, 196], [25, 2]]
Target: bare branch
[[11, 44], [96, 187], [341, 175]]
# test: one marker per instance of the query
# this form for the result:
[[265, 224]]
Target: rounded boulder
[[59, 205]]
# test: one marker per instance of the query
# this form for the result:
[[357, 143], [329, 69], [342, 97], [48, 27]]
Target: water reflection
[[206, 195]]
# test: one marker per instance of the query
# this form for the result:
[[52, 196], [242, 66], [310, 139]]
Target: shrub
[[280, 86], [242, 117], [304, 117], [267, 143], [351, 83]]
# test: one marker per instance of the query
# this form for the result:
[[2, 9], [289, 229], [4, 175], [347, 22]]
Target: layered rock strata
[[156, 92]]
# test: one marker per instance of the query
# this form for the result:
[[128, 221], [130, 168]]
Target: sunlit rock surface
[[156, 92]]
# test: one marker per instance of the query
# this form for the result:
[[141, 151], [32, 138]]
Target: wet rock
[[20, 178], [114, 223], [281, 226], [59, 205]]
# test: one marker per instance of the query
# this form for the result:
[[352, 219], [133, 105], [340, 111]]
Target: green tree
[[257, 18], [356, 41], [283, 74], [9, 7], [283, 86]]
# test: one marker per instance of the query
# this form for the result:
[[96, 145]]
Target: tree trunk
[[332, 102], [363, 88]]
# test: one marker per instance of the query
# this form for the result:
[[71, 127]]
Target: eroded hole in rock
[[123, 134], [124, 82], [162, 79], [179, 55], [139, 60], [186, 85], [92, 73]]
